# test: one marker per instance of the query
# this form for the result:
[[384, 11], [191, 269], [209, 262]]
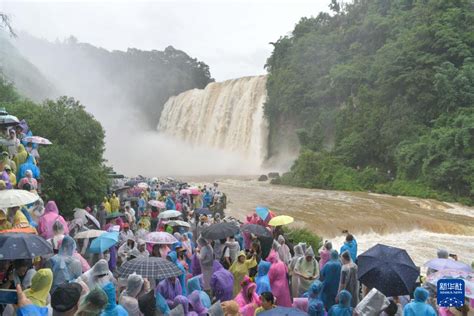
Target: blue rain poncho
[[330, 275], [182, 278], [419, 307], [64, 265], [344, 307], [315, 305], [262, 280], [351, 247], [194, 284], [112, 308]]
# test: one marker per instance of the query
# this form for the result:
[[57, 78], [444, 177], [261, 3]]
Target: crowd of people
[[240, 274]]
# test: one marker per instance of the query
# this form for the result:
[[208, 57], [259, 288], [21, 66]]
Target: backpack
[[222, 260]]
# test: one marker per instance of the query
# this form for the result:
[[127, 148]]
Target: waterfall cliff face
[[225, 115]]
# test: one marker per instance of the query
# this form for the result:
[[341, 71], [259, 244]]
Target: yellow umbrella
[[281, 220]]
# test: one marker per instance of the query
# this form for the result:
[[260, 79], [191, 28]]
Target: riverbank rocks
[[263, 178], [273, 175]]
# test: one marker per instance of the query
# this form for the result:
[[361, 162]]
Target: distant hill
[[138, 80], [26, 77]]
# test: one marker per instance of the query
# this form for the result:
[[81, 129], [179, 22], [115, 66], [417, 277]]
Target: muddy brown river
[[420, 226]]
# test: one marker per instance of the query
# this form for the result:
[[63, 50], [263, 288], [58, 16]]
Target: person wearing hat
[[65, 299], [126, 233]]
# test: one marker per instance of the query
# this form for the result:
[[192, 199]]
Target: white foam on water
[[420, 245]]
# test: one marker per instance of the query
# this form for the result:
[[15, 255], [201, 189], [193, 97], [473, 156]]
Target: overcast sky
[[231, 36]]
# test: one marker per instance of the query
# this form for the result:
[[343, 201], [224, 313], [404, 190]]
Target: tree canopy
[[386, 86], [72, 168]]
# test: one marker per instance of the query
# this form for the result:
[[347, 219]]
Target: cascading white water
[[225, 115]]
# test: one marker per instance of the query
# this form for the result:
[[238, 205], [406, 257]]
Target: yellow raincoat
[[114, 203], [4, 224], [240, 270], [107, 206], [20, 223], [20, 156], [145, 222], [40, 287]]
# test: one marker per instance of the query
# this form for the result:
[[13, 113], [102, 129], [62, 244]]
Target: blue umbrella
[[283, 311], [262, 212], [388, 269], [104, 242]]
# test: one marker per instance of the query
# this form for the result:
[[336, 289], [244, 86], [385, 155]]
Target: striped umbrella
[[150, 267]]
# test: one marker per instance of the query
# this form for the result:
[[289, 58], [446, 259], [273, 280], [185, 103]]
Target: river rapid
[[420, 226]]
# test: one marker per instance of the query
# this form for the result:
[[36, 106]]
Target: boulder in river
[[273, 175], [263, 178]]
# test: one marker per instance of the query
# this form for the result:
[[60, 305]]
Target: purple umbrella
[[447, 264]]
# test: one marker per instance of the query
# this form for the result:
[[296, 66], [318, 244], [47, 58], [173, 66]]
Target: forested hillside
[[381, 96], [137, 79], [25, 76]]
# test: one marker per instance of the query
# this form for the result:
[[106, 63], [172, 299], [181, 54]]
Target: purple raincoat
[[195, 265], [222, 282], [195, 301], [169, 289]]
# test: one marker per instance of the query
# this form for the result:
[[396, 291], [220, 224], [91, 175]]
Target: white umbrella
[[81, 213], [169, 214], [179, 223], [37, 140], [12, 198], [91, 233]]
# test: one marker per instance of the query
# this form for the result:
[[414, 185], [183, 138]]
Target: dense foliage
[[381, 97], [72, 168], [303, 235], [134, 79]]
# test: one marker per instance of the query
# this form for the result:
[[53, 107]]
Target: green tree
[[72, 168]]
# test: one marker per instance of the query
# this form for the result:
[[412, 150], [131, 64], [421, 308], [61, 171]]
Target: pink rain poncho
[[278, 280], [247, 298], [46, 221]]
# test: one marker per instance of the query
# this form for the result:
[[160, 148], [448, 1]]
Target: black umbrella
[[388, 269], [203, 211], [150, 267], [220, 231], [257, 230], [23, 246]]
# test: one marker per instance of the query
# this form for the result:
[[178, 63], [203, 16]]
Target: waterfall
[[225, 115]]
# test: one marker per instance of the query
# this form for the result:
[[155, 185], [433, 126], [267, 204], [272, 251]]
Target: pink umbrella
[[195, 191], [185, 191], [37, 140], [157, 204], [163, 238]]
